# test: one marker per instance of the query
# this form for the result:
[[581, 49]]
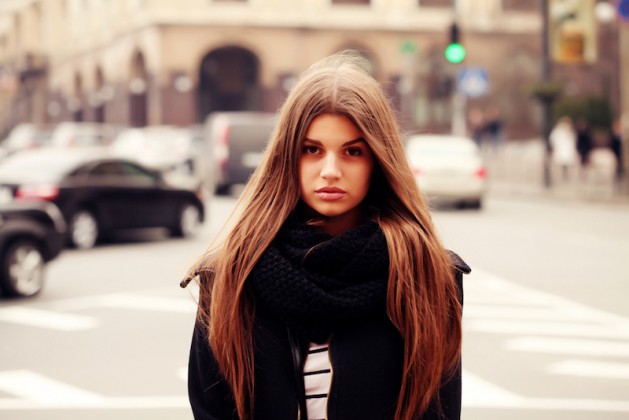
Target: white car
[[449, 169]]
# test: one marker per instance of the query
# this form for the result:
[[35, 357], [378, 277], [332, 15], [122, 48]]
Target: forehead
[[332, 127]]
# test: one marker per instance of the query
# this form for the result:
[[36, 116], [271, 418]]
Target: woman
[[331, 251], [563, 141]]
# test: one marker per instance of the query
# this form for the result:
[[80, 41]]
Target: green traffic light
[[455, 53]]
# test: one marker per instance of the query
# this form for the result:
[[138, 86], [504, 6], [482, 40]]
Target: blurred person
[[493, 127], [475, 124], [584, 145], [616, 145], [563, 140], [331, 295]]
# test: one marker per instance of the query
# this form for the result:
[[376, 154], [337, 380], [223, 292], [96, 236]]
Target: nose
[[330, 169]]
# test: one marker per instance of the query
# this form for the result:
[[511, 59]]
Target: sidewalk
[[516, 168]]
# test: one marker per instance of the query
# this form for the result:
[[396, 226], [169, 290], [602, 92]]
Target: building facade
[[141, 62]]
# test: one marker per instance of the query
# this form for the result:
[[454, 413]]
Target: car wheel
[[22, 269], [223, 189], [475, 205], [189, 221], [83, 230]]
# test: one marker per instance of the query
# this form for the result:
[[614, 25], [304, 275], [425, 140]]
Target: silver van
[[236, 142]]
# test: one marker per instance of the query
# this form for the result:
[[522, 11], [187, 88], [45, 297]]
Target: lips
[[330, 193]]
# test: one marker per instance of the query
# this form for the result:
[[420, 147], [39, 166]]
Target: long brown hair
[[422, 295]]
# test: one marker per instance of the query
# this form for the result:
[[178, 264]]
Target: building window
[[365, 2], [519, 5], [436, 3]]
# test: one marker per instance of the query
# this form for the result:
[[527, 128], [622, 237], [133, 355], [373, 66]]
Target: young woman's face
[[335, 171]]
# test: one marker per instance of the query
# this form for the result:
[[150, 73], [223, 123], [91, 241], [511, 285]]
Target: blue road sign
[[473, 82], [623, 9]]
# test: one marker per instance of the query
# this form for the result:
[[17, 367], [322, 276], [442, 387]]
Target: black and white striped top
[[317, 380]]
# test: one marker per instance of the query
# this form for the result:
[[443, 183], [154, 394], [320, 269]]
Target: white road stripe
[[47, 319], [482, 285], [554, 404], [545, 313], [182, 373], [477, 391], [511, 327], [181, 401], [149, 303], [106, 403], [40, 393], [38, 389], [571, 346], [591, 369]]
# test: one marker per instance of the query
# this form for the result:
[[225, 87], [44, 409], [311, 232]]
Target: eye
[[310, 150], [354, 151]]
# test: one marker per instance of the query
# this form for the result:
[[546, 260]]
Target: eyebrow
[[347, 143]]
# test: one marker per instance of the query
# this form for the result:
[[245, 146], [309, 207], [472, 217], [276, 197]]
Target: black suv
[[31, 234]]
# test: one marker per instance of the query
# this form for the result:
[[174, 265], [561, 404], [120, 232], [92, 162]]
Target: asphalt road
[[546, 322]]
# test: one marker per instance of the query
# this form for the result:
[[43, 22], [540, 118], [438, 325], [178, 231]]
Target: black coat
[[367, 360]]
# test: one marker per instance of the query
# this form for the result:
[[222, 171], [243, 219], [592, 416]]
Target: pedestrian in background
[[563, 140], [476, 125], [493, 127], [584, 145], [616, 145], [331, 295]]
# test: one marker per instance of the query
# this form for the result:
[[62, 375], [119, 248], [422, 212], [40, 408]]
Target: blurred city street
[[546, 322], [180, 98]]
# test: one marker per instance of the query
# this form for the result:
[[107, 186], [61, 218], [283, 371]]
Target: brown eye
[[354, 151], [310, 150]]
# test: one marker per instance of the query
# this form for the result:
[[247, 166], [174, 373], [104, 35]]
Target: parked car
[[99, 194], [164, 148], [449, 169], [236, 142], [23, 137], [31, 234], [81, 134]]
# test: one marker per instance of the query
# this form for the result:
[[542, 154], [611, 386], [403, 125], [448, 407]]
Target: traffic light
[[455, 52]]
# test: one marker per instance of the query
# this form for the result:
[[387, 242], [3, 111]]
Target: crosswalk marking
[[572, 329], [33, 391], [182, 373], [149, 303], [59, 319], [39, 389], [47, 319], [591, 369], [480, 392], [569, 346], [532, 321], [106, 403]]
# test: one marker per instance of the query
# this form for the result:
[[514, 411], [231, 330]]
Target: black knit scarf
[[315, 282]]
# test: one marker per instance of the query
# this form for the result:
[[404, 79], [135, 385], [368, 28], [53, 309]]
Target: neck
[[340, 224]]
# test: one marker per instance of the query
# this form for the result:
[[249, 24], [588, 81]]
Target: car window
[[138, 174], [106, 169]]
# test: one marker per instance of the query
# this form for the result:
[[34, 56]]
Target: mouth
[[330, 193]]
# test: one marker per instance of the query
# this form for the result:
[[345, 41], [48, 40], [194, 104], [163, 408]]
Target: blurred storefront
[[139, 62]]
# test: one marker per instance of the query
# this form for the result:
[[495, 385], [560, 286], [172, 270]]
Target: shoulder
[[458, 264], [459, 267]]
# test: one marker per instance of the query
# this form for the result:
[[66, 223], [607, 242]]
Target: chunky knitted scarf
[[316, 283]]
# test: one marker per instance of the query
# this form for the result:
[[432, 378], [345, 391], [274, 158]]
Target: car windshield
[[27, 168]]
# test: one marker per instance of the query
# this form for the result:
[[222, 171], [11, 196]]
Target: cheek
[[363, 176], [303, 175]]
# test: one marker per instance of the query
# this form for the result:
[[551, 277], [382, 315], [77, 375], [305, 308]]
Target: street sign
[[473, 82], [623, 10]]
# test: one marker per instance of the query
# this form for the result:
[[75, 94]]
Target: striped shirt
[[317, 380]]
